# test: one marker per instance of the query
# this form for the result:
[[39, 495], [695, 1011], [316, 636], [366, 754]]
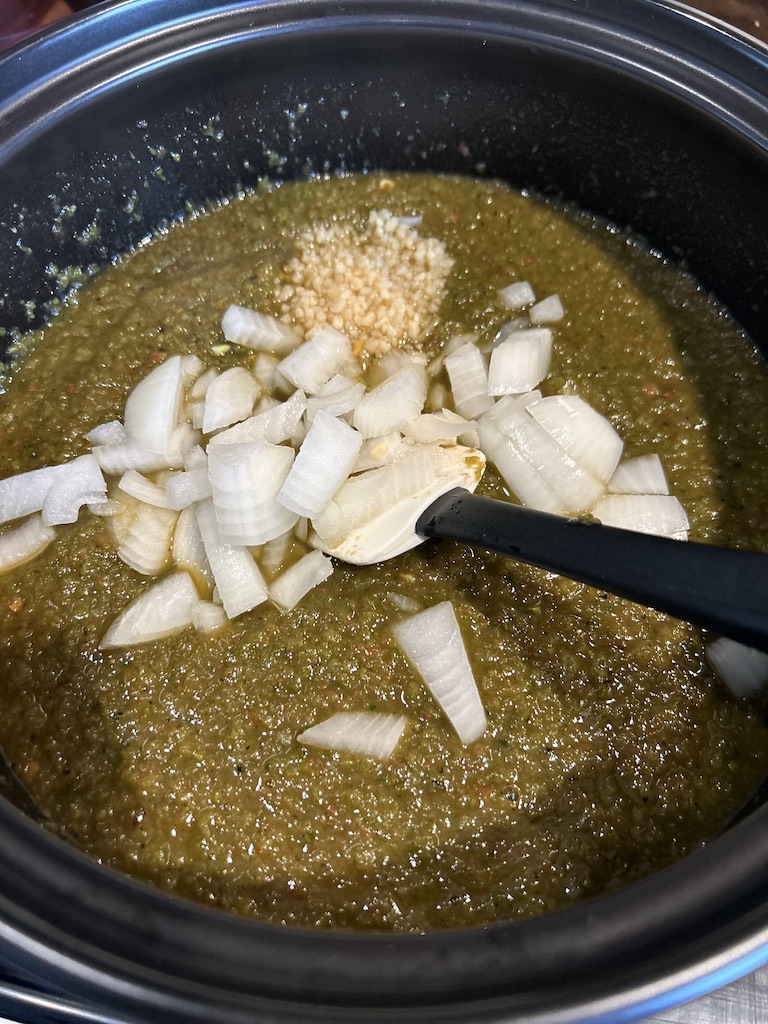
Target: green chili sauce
[[611, 749]]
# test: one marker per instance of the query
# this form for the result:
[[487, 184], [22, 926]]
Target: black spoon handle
[[719, 588]]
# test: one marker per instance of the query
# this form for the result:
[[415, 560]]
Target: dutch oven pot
[[637, 110]]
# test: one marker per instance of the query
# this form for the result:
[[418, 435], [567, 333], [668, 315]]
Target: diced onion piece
[[290, 586], [517, 295], [468, 375], [22, 543], [393, 403], [587, 436], [147, 546], [432, 642], [314, 363], [455, 342], [659, 514], [509, 330], [245, 480], [275, 551], [402, 602], [188, 550], [145, 490], [152, 408], [392, 362], [240, 585], [24, 493], [191, 366], [263, 369], [548, 311], [324, 462], [159, 611], [274, 425], [207, 616], [107, 509], [256, 330], [339, 396], [107, 433], [539, 470], [521, 362], [366, 496], [229, 399], [438, 426], [78, 482], [379, 451], [116, 459], [743, 669], [186, 488], [371, 733], [642, 475], [199, 389]]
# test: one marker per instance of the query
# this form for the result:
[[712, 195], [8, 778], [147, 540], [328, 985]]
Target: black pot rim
[[103, 936]]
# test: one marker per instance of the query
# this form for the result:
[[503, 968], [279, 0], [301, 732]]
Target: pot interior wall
[[96, 178]]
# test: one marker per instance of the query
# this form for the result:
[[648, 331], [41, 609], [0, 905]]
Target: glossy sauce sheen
[[611, 750]]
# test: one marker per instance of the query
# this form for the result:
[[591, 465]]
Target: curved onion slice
[[325, 460], [245, 479], [152, 408], [520, 362], [160, 611], [587, 436], [22, 543], [517, 295], [78, 482], [371, 733], [142, 489], [392, 404], [229, 399], [646, 513], [432, 642], [147, 546], [25, 493], [274, 425], [239, 583], [642, 475], [314, 363], [291, 585], [243, 326], [743, 669], [468, 374], [188, 550]]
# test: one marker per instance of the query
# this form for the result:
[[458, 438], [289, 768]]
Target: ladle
[[721, 589]]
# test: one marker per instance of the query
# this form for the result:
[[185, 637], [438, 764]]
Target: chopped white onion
[[468, 374], [456, 341], [393, 403], [240, 585], [659, 514], [145, 490], [366, 496], [402, 602], [160, 611], [107, 433], [199, 389], [188, 550], [245, 480], [116, 459], [314, 363], [371, 733], [432, 642], [22, 543], [263, 369], [275, 551], [378, 451], [324, 462], [517, 295], [439, 426], [191, 366], [24, 493], [743, 669], [152, 408], [229, 399], [521, 362], [548, 311], [274, 425], [642, 475], [78, 482], [244, 326], [290, 586], [587, 436], [338, 397], [207, 616], [186, 488], [147, 546]]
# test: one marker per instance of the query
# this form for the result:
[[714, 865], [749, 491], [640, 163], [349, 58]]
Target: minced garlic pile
[[381, 284]]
